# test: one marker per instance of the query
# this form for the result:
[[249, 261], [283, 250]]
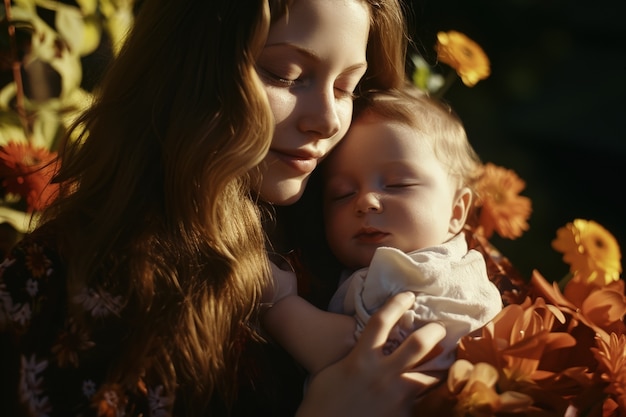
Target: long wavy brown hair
[[387, 46], [155, 200], [155, 203]]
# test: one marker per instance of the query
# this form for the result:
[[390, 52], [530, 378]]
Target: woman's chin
[[285, 192]]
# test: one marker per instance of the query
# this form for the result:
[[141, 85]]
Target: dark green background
[[553, 109]]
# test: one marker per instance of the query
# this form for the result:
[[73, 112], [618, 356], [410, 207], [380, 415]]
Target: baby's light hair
[[432, 120]]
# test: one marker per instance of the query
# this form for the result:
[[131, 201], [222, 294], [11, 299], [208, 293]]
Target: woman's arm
[[368, 383]]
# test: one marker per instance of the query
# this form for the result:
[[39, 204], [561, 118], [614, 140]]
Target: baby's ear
[[462, 201]]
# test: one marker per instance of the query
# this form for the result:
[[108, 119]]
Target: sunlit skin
[[386, 187], [312, 61]]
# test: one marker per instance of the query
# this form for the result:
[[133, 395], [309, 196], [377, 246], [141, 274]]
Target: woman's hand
[[368, 383]]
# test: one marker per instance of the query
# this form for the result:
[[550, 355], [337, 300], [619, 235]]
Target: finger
[[377, 329], [419, 346], [432, 354], [420, 382]]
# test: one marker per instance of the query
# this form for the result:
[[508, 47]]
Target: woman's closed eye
[[287, 78], [341, 93], [346, 84], [283, 81], [344, 87]]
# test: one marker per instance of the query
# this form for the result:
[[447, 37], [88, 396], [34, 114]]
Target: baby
[[397, 193]]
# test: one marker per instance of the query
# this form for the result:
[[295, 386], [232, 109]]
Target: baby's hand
[[285, 283]]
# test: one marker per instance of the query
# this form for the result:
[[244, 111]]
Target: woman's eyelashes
[[345, 85], [344, 93], [341, 91], [277, 80]]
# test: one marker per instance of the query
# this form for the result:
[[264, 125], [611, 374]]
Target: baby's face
[[384, 186]]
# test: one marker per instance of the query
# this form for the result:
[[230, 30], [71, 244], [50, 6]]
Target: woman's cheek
[[344, 112], [280, 103]]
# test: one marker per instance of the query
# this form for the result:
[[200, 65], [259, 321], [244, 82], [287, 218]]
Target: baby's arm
[[315, 338]]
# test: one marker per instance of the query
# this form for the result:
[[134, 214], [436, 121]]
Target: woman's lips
[[302, 163]]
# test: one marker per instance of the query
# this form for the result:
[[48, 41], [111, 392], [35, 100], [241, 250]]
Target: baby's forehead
[[389, 145], [397, 128], [409, 125]]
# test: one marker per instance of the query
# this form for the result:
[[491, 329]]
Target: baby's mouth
[[370, 235]]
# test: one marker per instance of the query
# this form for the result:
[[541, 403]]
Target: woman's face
[[312, 61]]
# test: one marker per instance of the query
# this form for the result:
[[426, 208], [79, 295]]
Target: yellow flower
[[464, 55], [503, 209], [590, 251]]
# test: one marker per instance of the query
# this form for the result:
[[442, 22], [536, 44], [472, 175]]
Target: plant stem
[[451, 77], [17, 74]]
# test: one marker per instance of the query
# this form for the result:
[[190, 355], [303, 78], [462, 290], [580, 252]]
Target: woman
[[139, 291]]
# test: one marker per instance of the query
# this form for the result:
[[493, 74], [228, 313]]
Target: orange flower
[[516, 339], [523, 344], [27, 171], [606, 305], [590, 251], [464, 55], [596, 313], [601, 308], [611, 356], [502, 210]]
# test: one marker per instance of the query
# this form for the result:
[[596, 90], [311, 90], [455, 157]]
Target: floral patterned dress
[[50, 366]]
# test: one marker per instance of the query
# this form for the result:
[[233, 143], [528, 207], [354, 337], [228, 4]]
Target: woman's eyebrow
[[309, 53], [312, 55]]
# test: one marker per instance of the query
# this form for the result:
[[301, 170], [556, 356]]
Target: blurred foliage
[[52, 54]]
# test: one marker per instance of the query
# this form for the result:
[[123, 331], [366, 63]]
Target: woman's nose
[[368, 203], [320, 118]]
